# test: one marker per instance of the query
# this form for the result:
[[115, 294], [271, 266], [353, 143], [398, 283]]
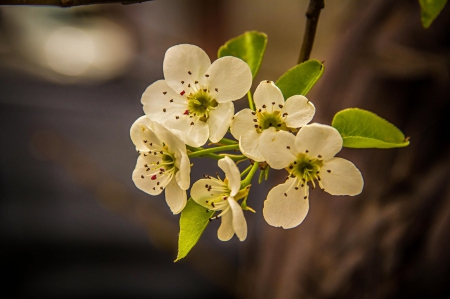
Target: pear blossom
[[271, 112], [217, 195], [309, 159], [162, 163], [196, 96]]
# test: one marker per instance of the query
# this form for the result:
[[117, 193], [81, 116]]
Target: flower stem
[[248, 178], [213, 150], [251, 104], [246, 170], [312, 18], [227, 141]]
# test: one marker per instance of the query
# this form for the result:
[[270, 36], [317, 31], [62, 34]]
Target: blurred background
[[73, 225]]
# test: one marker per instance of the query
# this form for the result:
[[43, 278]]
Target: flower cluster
[[194, 104]]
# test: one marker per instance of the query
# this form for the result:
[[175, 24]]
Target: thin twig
[[312, 18], [66, 3]]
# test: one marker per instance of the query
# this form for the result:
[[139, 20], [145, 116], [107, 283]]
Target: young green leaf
[[363, 129], [193, 221], [430, 9], [300, 79], [249, 47]]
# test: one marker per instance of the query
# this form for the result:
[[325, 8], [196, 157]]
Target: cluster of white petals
[[194, 103], [217, 195], [271, 112], [309, 159], [162, 162], [196, 96]]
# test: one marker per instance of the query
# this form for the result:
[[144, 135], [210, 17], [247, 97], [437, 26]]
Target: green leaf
[[430, 10], [300, 79], [249, 47], [363, 129], [193, 221]]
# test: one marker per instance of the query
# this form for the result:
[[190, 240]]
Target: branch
[[312, 18], [66, 3]]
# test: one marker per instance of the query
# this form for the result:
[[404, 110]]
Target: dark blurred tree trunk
[[392, 241]]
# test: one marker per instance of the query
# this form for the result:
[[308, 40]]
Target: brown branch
[[312, 18], [66, 3]]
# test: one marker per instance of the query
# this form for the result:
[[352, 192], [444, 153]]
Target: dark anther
[[328, 171], [171, 100], [264, 106], [189, 72], [182, 82], [164, 110], [281, 106], [206, 75], [142, 176], [216, 89]]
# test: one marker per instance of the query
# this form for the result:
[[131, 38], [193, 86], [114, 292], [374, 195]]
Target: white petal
[[268, 96], [249, 145], [277, 148], [242, 122], [193, 135], [142, 135], [232, 173], [179, 61], [341, 177], [201, 194], [175, 197], [184, 170], [161, 102], [300, 111], [172, 141], [239, 223], [147, 179], [286, 211], [219, 121], [226, 230], [229, 79], [318, 140]]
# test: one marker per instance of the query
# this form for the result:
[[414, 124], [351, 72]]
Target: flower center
[[267, 120], [200, 104], [306, 169]]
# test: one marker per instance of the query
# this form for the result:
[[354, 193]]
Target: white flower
[[309, 159], [196, 96], [162, 163], [217, 195], [271, 112]]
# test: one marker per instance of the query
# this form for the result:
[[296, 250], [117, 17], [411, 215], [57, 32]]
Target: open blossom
[[217, 195], [309, 159], [162, 163], [271, 112], [196, 96]]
